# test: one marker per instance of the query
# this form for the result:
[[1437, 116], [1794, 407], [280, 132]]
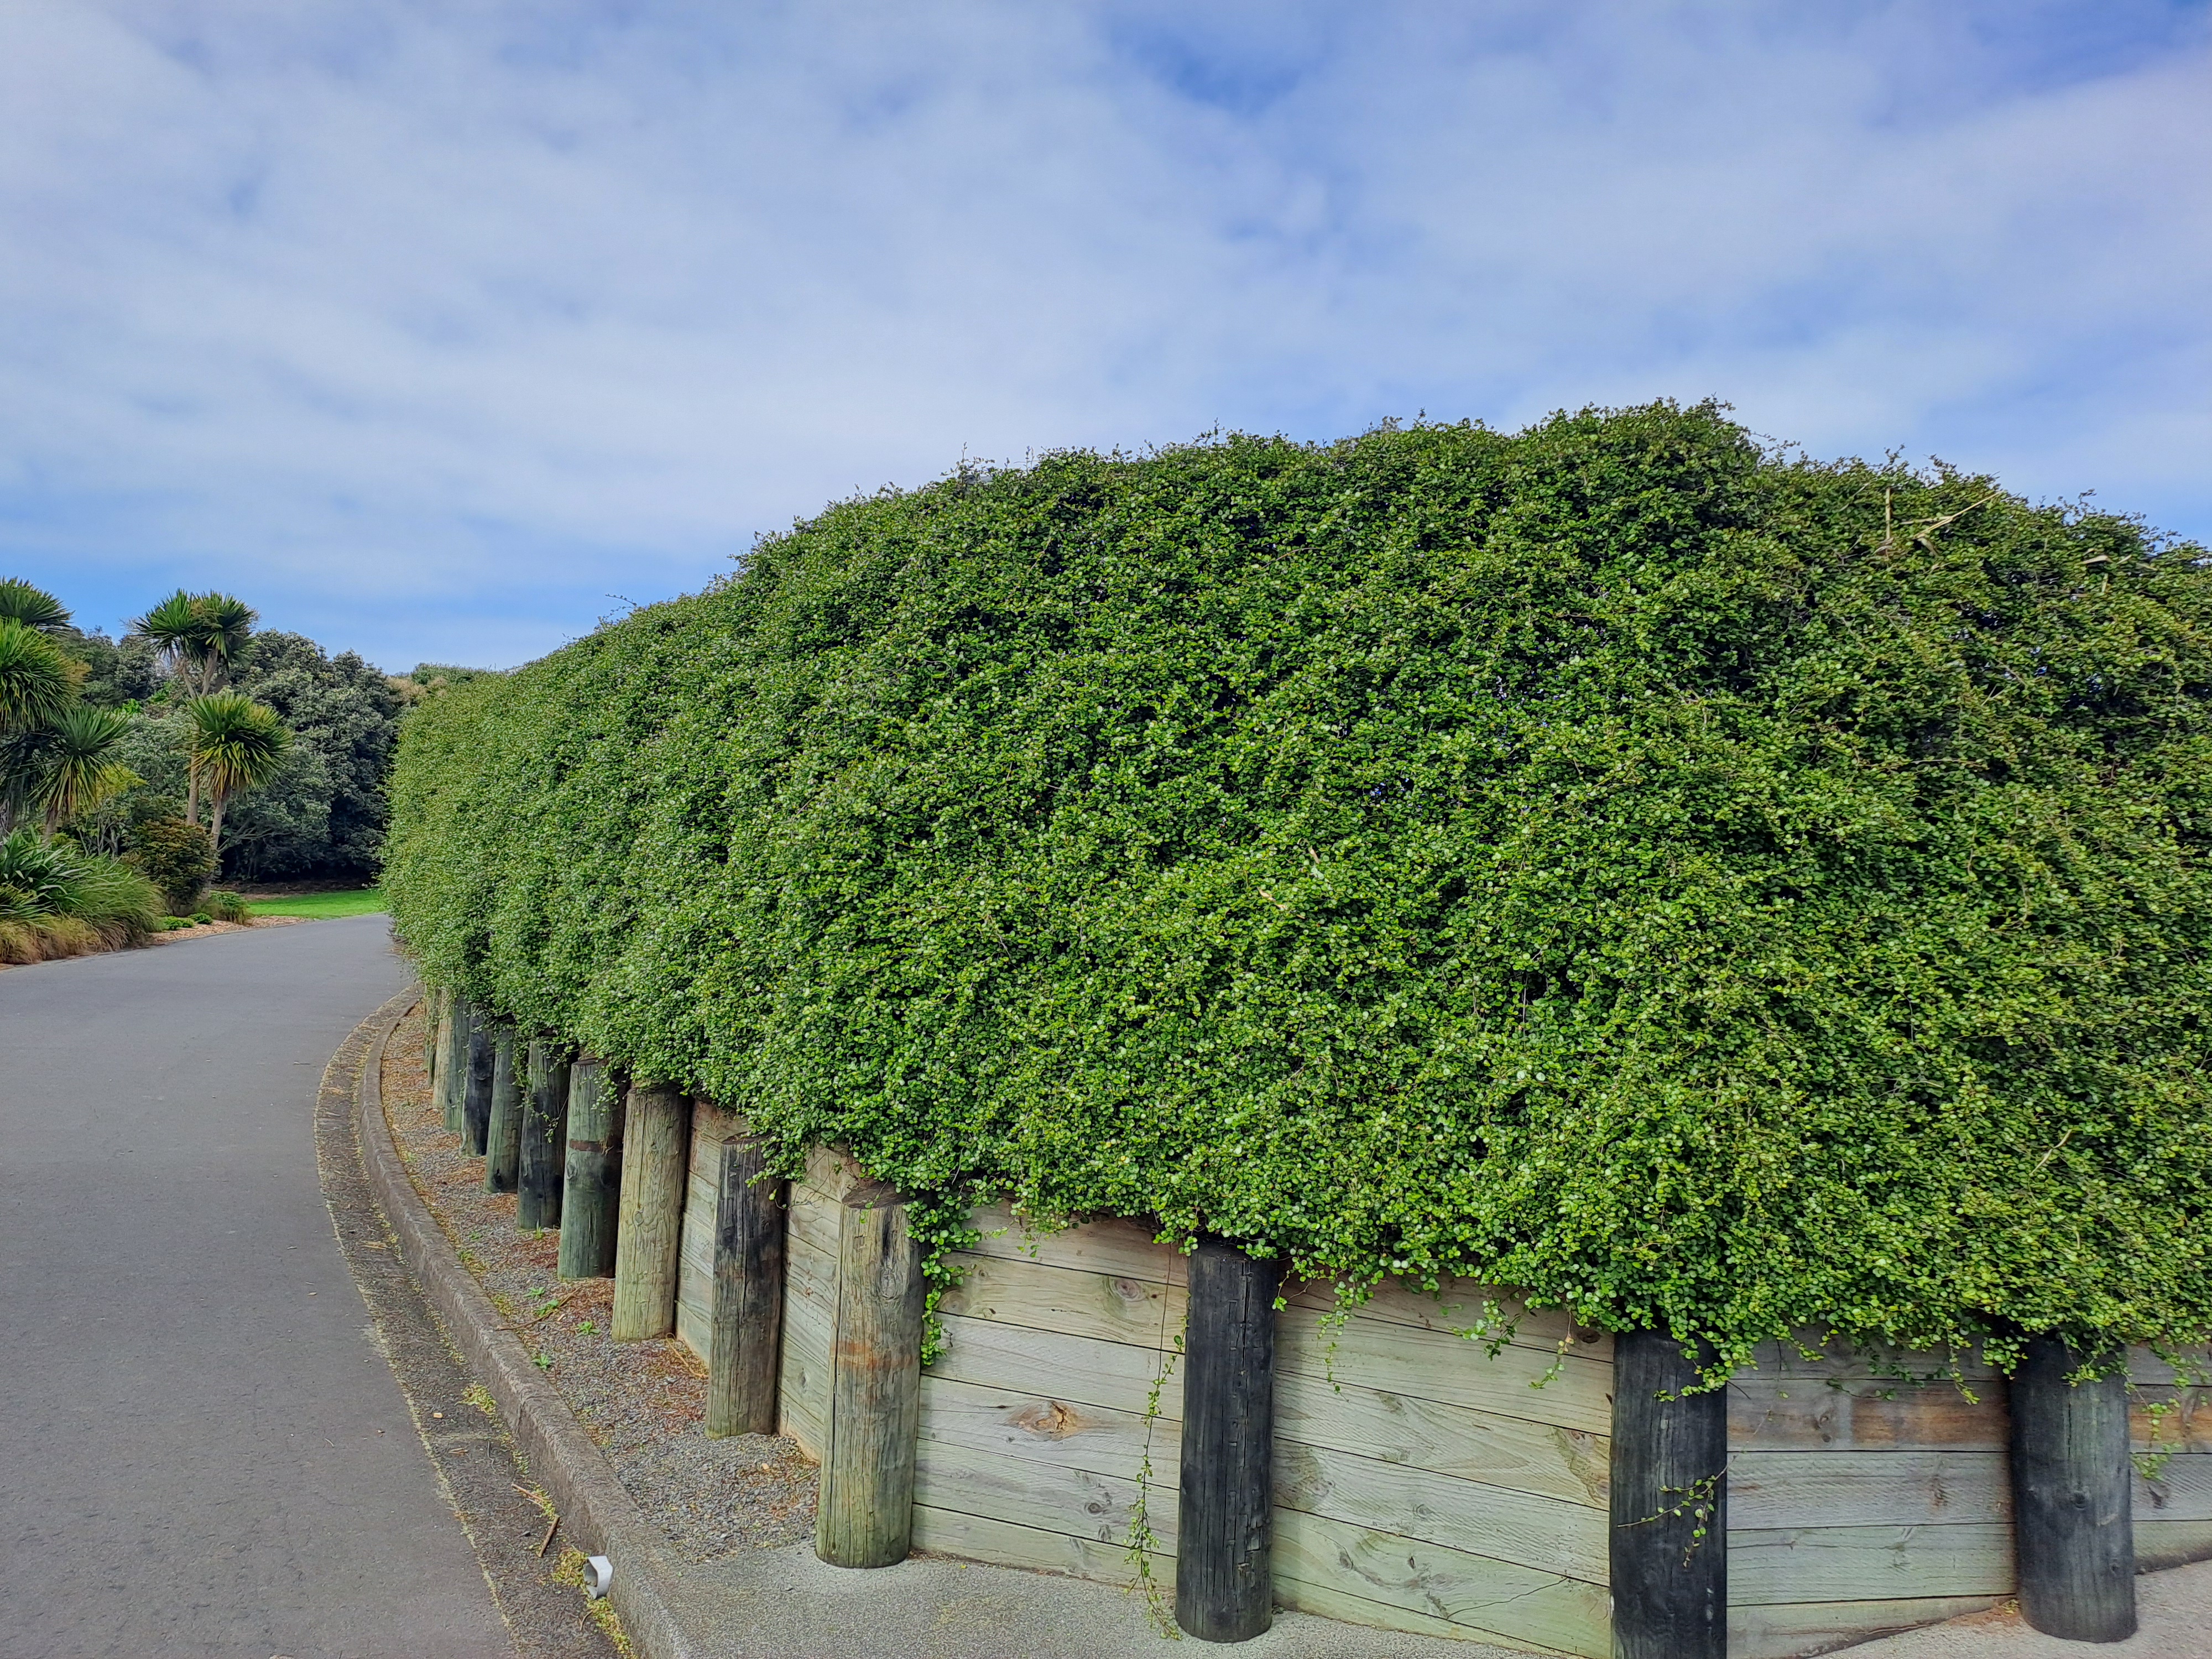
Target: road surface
[[203, 1450]]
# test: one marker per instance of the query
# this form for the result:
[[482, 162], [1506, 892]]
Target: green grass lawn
[[364, 901]]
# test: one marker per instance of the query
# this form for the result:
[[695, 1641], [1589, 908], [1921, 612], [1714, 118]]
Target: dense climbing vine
[[1683, 880]]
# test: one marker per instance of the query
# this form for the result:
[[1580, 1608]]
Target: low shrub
[[57, 902], [177, 856], [228, 906]]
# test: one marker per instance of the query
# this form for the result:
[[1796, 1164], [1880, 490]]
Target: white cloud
[[436, 323]]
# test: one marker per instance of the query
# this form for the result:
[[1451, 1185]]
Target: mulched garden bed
[[643, 1402]]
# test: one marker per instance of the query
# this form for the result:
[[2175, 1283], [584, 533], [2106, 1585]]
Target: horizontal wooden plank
[[1517, 1603], [1867, 1564], [2181, 1490], [1045, 1429], [1135, 1311], [713, 1123], [1329, 1601], [1003, 1543], [1772, 1410], [811, 1222], [1541, 1533], [803, 1384], [695, 1327], [1865, 1361], [2161, 1544], [1429, 1434], [1120, 1250], [1049, 1497], [1077, 1368], [1429, 1366], [1780, 1489], [1462, 1305], [2194, 1367], [831, 1173], [2162, 1418], [1804, 1627]]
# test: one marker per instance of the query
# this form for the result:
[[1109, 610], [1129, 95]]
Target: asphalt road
[[203, 1450]]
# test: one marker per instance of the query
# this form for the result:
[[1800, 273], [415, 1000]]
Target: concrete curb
[[594, 1508]]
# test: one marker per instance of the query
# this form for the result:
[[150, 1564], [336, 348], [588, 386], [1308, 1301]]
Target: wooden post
[[748, 1294], [591, 1183], [655, 1171], [503, 1139], [864, 1514], [453, 1064], [433, 1032], [542, 1163], [1669, 1520], [2072, 1497], [1225, 1573], [475, 1105]]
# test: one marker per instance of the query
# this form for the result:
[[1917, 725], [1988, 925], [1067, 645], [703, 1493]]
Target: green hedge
[[1686, 881]]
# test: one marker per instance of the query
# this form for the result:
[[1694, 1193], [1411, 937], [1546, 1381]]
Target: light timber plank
[[2195, 1367], [2164, 1419], [976, 1538], [1519, 1604], [2182, 1490], [711, 1125], [1870, 1361], [831, 1174], [2160, 1544], [813, 1219], [1101, 1508], [1867, 1564], [1461, 1305], [1545, 1534], [803, 1385], [1428, 1365], [1474, 1445], [1327, 1601], [1782, 1632], [1044, 1430], [1137, 1311], [1120, 1250], [1770, 1410], [1867, 1488], [1076, 1369], [695, 1327]]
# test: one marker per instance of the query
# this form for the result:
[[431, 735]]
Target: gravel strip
[[642, 1402]]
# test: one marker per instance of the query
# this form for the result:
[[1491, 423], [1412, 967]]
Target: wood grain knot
[[1048, 1419]]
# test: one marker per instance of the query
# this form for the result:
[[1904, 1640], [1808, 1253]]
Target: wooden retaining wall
[[1425, 1481]]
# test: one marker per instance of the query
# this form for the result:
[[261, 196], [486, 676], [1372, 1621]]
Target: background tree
[[235, 743], [323, 813]]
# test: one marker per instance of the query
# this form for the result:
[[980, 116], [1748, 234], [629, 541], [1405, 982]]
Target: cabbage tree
[[235, 743]]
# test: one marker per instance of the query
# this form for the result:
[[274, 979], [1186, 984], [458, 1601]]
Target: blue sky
[[440, 331]]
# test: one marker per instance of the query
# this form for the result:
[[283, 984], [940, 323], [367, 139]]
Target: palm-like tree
[[235, 743], [35, 681], [33, 607], [80, 770], [198, 636]]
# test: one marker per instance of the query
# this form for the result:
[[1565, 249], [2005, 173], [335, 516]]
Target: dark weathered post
[[433, 1032], [2072, 1497], [591, 1185], [655, 1169], [475, 1105], [542, 1163], [864, 1516], [453, 1064], [1669, 1520], [503, 1139], [741, 1363], [1225, 1582]]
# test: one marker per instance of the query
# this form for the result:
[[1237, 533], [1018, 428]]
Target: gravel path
[[643, 1402]]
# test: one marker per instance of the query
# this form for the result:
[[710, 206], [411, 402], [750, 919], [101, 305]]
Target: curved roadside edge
[[594, 1508]]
